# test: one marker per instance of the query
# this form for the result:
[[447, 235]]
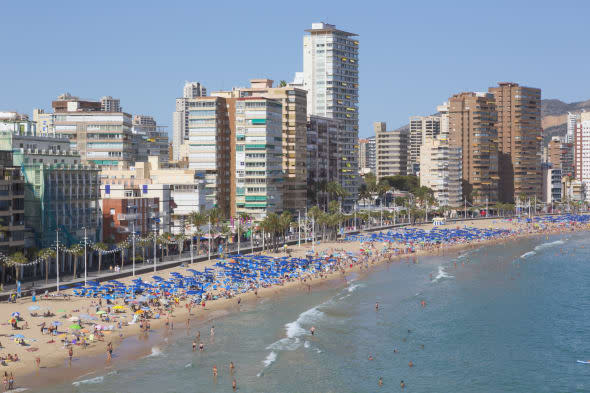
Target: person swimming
[[312, 330], [370, 357], [231, 367], [380, 381], [402, 384], [376, 306], [194, 346], [411, 364]]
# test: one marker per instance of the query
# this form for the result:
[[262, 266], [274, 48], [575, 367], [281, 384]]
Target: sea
[[510, 317]]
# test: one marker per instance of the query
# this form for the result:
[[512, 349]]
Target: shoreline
[[133, 344]]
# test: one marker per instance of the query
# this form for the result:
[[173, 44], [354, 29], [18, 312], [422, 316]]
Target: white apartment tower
[[420, 128], [572, 119], [110, 104], [330, 76], [180, 122]]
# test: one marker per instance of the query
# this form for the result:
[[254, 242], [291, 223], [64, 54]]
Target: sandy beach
[[53, 355]]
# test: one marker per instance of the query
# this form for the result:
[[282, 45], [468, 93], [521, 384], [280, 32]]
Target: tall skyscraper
[[420, 128], [180, 124], [367, 155], [330, 76], [519, 141], [149, 139], [392, 151], [472, 119]]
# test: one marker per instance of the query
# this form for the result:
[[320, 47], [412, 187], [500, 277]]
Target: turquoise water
[[506, 318]]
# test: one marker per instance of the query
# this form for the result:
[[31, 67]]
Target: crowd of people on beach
[[115, 306]]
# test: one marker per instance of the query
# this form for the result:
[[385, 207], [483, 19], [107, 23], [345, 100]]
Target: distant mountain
[[554, 115]]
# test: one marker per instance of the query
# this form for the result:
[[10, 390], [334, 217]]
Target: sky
[[413, 54]]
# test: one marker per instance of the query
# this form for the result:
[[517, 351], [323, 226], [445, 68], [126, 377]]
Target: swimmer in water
[[214, 370], [234, 385], [402, 384], [212, 330], [377, 306], [194, 346], [370, 357], [380, 381], [201, 347], [312, 330], [410, 364], [423, 303], [231, 367]]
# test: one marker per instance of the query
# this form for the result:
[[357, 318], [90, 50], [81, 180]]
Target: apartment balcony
[[127, 216]]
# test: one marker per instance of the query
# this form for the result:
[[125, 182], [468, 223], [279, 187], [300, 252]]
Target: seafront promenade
[[67, 281]]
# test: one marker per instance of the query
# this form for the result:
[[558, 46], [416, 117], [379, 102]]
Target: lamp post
[[57, 256], [133, 239], [209, 254], [155, 250], [299, 228], [239, 219], [85, 256]]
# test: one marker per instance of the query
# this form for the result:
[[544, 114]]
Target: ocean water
[[513, 317]]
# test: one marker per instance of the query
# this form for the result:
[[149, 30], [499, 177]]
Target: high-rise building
[[367, 155], [552, 183], [258, 162], [294, 112], [582, 148], [44, 121], [330, 76], [322, 156], [149, 139], [440, 170], [391, 151], [211, 147], [572, 120], [519, 141], [472, 119], [180, 123], [420, 128], [110, 104], [101, 138]]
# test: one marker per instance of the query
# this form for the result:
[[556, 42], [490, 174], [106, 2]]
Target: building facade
[[110, 104], [472, 119], [180, 121], [582, 148], [420, 128], [60, 191], [331, 78], [102, 138], [126, 209], [258, 162], [149, 139], [187, 189], [12, 206], [440, 170], [572, 121], [322, 156], [552, 184], [519, 141], [211, 148], [392, 151], [294, 123]]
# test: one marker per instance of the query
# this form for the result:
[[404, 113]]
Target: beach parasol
[[74, 319], [15, 314], [18, 336], [100, 312], [75, 327], [34, 308], [61, 310], [56, 323], [139, 312]]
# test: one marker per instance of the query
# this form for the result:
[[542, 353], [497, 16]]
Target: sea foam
[[549, 244], [442, 274], [89, 381], [528, 254]]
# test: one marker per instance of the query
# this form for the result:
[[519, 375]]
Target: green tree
[[77, 251], [100, 248], [47, 254], [15, 260]]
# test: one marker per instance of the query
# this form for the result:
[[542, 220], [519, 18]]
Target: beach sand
[[54, 356]]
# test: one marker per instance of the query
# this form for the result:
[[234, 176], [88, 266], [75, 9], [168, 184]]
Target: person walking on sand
[[11, 382], [212, 332], [231, 368], [198, 338], [70, 354], [38, 361]]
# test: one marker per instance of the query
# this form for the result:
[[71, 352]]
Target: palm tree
[[197, 220], [101, 248], [77, 251], [285, 223], [16, 259], [122, 246], [46, 254]]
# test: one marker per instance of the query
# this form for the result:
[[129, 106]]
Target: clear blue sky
[[413, 54]]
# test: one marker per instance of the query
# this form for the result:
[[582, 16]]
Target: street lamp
[[85, 256]]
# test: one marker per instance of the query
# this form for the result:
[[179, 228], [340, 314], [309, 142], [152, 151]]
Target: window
[[112, 212]]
